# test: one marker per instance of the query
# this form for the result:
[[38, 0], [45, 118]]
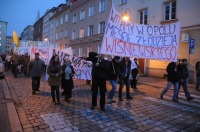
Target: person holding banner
[[54, 71], [100, 72], [134, 73], [114, 73], [125, 69], [67, 80], [35, 68]]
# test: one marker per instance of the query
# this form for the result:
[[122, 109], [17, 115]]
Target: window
[[51, 38], [56, 36], [74, 35], [74, 51], [143, 16], [98, 50], [52, 26], [90, 30], [89, 49], [61, 32], [61, 21], [67, 18], [91, 10], [57, 23], [102, 5], [80, 52], [101, 27], [81, 35], [82, 15], [170, 11], [122, 2], [74, 18], [66, 32]]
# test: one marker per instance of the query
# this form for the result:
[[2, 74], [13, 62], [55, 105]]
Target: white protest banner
[[43, 52], [24, 46], [158, 42], [68, 51], [81, 67]]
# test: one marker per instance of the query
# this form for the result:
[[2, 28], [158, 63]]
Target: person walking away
[[100, 71], [67, 80], [173, 79], [55, 72], [25, 62], [124, 73], [197, 68], [114, 73], [134, 73], [15, 62], [183, 69], [35, 68]]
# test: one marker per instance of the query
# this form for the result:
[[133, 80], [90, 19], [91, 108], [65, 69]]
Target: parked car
[[2, 69]]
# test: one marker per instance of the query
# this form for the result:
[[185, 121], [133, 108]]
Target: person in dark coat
[[197, 68], [124, 73], [67, 80], [54, 71], [173, 78], [182, 68], [134, 73], [100, 72]]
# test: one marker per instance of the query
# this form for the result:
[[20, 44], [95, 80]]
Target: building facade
[[3, 29], [27, 33], [9, 44], [46, 24], [166, 12], [38, 29]]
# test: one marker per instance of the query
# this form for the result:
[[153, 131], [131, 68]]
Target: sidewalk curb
[[12, 113], [14, 119]]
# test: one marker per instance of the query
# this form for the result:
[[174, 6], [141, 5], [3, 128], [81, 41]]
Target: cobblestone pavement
[[4, 119], [146, 112]]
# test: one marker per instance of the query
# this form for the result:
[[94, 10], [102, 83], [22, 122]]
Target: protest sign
[[158, 42], [81, 67], [43, 52], [24, 46]]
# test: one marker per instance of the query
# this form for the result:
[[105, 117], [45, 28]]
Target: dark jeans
[[125, 81], [25, 71], [53, 89], [35, 83], [184, 83], [134, 81], [15, 69], [101, 85]]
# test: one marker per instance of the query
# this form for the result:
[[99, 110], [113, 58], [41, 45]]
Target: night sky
[[21, 13]]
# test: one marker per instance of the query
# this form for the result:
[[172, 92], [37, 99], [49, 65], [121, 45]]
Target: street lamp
[[125, 18]]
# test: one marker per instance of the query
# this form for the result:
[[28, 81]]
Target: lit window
[[81, 35], [91, 11], [82, 15], [143, 16], [89, 49], [102, 5], [101, 27], [170, 11], [90, 30]]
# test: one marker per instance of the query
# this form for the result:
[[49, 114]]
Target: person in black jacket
[[197, 68], [173, 78], [100, 72], [134, 73], [182, 68], [124, 73], [114, 73]]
